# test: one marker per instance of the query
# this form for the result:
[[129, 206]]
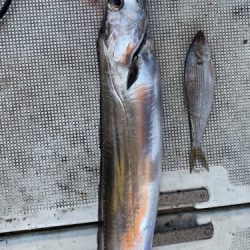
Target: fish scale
[[131, 111], [199, 86]]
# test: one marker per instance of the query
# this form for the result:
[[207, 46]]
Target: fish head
[[124, 29], [201, 47]]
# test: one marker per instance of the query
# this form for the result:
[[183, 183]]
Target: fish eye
[[115, 5], [202, 40]]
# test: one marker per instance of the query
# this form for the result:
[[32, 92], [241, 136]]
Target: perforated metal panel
[[226, 25], [49, 102], [49, 106], [241, 241]]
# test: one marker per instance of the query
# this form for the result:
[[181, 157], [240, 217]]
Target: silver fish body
[[199, 85], [131, 129]]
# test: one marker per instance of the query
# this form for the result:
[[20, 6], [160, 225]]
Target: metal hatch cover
[[231, 232], [49, 106]]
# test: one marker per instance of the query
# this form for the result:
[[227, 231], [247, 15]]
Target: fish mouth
[[198, 37], [135, 44], [200, 33], [201, 37]]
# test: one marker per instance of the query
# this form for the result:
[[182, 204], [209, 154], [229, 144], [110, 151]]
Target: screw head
[[208, 231]]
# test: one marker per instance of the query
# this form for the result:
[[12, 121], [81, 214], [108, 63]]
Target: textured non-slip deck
[[49, 104]]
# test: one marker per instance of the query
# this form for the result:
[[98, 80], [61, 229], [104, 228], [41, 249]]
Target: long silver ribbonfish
[[199, 85], [131, 129]]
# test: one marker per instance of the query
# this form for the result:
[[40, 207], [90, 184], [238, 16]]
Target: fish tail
[[197, 154]]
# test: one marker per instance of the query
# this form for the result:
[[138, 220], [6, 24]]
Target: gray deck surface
[[231, 232], [49, 105]]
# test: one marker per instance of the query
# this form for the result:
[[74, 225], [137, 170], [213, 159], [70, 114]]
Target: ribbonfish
[[131, 129], [199, 86]]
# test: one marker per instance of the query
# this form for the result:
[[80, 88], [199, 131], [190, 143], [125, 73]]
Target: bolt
[[208, 231]]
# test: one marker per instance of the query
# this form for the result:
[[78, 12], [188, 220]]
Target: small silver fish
[[199, 88], [131, 129]]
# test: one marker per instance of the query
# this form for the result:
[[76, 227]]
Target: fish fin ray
[[198, 154]]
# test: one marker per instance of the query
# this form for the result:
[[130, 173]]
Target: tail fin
[[197, 154]]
